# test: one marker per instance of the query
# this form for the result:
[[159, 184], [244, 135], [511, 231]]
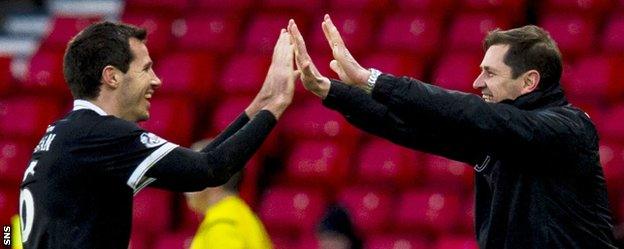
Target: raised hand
[[347, 68], [311, 78], [279, 85]]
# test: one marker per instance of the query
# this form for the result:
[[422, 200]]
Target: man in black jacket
[[539, 183]]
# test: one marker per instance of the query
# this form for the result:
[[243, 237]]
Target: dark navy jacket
[[539, 183]]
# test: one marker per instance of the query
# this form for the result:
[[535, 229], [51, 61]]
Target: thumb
[[335, 66], [307, 70]]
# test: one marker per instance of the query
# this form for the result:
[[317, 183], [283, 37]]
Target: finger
[[331, 33], [298, 39]]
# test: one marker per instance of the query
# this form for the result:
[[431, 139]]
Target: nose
[[478, 82], [156, 82]]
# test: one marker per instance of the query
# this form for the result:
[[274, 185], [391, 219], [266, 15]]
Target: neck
[[107, 102], [217, 196]]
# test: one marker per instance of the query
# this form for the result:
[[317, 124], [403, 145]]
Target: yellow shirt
[[16, 233], [231, 224]]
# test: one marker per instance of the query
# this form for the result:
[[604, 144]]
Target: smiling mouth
[[487, 97]]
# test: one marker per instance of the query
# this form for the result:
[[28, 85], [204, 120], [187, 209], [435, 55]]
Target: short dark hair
[[530, 48], [90, 51]]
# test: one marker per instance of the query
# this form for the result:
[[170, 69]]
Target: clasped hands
[[277, 91]]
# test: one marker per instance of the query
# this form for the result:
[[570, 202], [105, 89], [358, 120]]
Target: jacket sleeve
[[232, 128], [500, 129], [376, 118], [185, 170]]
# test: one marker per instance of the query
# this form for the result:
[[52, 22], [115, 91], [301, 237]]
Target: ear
[[111, 77], [531, 80]]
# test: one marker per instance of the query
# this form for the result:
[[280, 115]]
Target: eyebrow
[[489, 69], [148, 65]]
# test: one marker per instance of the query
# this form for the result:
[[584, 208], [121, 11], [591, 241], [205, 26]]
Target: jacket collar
[[549, 97]]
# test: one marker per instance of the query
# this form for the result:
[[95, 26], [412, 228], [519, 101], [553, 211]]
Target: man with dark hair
[[78, 187], [228, 221], [538, 181]]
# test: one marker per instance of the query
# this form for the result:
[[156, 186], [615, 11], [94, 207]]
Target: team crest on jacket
[[150, 140]]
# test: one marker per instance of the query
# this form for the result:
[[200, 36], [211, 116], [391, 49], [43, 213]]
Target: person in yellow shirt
[[16, 239], [228, 221]]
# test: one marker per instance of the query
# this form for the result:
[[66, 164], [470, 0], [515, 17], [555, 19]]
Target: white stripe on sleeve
[[137, 180]]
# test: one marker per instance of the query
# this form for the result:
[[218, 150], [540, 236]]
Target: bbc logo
[[6, 235]]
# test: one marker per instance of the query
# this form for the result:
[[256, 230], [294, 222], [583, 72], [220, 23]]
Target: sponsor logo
[[150, 140]]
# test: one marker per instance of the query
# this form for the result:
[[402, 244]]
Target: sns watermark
[[6, 235]]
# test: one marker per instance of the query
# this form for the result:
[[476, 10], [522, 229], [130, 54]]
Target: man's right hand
[[278, 89], [311, 78]]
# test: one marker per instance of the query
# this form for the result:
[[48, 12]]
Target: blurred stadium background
[[212, 56]]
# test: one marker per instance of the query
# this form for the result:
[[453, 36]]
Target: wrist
[[371, 80], [323, 88], [276, 108]]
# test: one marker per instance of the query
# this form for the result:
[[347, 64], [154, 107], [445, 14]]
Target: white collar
[[80, 104]]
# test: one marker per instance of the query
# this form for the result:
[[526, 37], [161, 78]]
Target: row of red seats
[[417, 34], [172, 7], [593, 78], [26, 116], [376, 241]]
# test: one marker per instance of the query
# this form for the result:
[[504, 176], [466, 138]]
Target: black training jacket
[[539, 183]]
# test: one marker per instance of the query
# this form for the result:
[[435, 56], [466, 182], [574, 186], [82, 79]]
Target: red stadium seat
[[172, 119], [396, 63], [168, 8], [595, 78], [27, 117], [9, 198], [396, 242], [613, 38], [362, 6], [457, 71], [302, 6], [456, 242], [448, 175], [574, 34], [427, 211], [414, 34], [158, 32], [238, 7], [355, 30], [174, 240], [140, 239], [311, 120], [318, 163], [14, 157], [244, 74], [6, 77], [612, 127], [612, 161], [45, 72], [369, 209], [511, 10], [187, 74], [63, 28], [290, 210], [152, 210], [468, 30], [590, 8], [436, 7], [213, 33], [383, 163], [228, 110], [264, 29], [468, 215]]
